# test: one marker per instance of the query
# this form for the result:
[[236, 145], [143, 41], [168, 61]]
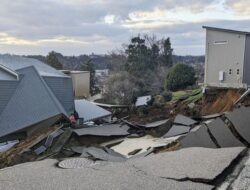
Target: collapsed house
[[33, 95]]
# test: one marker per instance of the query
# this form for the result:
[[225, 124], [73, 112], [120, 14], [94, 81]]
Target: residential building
[[33, 95], [81, 82], [227, 62]]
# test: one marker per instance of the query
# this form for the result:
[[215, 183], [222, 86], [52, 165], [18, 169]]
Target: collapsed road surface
[[191, 168]]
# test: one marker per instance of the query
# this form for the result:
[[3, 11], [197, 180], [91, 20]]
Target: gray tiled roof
[[89, 111], [31, 103], [15, 62]]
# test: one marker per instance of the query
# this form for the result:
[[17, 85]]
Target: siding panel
[[7, 88]]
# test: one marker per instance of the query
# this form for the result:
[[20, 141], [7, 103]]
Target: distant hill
[[104, 61]]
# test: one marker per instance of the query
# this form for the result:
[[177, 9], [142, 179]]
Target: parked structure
[[33, 95], [227, 61], [81, 82]]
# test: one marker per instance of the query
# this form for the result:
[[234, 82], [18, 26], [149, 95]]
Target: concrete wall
[[246, 75], [81, 84], [224, 57], [63, 90]]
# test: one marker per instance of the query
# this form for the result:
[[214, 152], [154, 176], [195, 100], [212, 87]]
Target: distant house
[[81, 82], [142, 101], [32, 95], [227, 62]]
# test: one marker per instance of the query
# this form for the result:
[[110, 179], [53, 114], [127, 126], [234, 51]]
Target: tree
[[139, 57], [167, 54], [52, 60], [179, 77], [122, 88]]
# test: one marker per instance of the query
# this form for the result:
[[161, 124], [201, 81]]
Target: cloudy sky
[[74, 27]]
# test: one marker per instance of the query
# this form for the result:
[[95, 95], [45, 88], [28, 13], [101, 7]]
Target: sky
[[74, 27]]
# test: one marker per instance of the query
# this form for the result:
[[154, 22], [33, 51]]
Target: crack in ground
[[194, 180], [212, 137], [234, 131]]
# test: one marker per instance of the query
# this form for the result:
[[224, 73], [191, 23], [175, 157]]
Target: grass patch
[[187, 96]]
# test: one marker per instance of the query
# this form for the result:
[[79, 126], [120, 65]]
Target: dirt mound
[[218, 100]]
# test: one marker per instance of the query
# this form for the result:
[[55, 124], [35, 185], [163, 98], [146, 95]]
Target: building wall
[[226, 57], [81, 84], [246, 75], [63, 90], [7, 88]]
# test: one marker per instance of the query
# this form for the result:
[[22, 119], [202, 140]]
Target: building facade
[[227, 60], [81, 83]]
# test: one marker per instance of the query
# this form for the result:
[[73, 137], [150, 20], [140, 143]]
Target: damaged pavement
[[175, 153]]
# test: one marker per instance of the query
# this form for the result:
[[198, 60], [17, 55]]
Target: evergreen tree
[[52, 60], [167, 59]]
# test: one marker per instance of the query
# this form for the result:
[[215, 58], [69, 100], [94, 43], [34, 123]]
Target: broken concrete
[[45, 175], [177, 130], [140, 145], [196, 164], [183, 120], [95, 153], [241, 120], [198, 137], [158, 128], [222, 134], [104, 130]]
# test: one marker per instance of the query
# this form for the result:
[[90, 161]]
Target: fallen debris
[[177, 130], [104, 130], [157, 128], [140, 145], [89, 111], [183, 120]]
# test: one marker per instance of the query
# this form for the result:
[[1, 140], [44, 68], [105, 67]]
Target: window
[[238, 71], [221, 42], [230, 71]]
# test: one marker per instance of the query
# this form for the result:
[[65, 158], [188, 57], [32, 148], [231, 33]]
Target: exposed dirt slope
[[218, 101]]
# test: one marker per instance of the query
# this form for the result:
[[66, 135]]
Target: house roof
[[142, 101], [89, 111], [226, 30], [15, 62], [31, 102]]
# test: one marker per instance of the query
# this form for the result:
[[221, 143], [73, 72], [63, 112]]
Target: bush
[[167, 95], [159, 101], [179, 77]]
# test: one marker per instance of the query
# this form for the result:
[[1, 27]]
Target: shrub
[[179, 77], [167, 95]]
